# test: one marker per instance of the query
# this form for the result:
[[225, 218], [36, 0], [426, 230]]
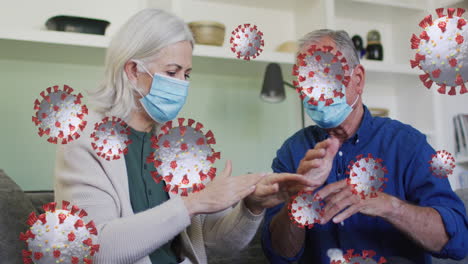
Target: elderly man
[[415, 216]]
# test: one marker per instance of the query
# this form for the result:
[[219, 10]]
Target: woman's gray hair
[[140, 38], [340, 37]]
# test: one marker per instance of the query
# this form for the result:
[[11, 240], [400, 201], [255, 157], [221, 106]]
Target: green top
[[145, 193]]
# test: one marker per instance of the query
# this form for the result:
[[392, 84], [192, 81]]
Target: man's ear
[[360, 74], [131, 71]]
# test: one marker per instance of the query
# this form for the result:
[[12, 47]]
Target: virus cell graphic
[[321, 75], [247, 41], [60, 114], [59, 236], [367, 257], [442, 164], [183, 157], [441, 51], [305, 210], [110, 138], [367, 176]]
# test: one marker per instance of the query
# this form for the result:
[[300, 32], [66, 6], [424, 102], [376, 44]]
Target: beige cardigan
[[101, 188]]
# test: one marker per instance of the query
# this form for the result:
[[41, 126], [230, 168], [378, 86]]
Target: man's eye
[[187, 76], [171, 73]]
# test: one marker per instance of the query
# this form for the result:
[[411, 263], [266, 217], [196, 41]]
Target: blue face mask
[[329, 116], [332, 115], [166, 97]]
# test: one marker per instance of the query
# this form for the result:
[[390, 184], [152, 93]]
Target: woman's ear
[[130, 69]]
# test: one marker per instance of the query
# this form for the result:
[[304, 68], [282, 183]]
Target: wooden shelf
[[420, 5], [462, 160], [88, 49]]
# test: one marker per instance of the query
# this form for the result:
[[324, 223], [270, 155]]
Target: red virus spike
[[42, 218], [442, 89], [75, 260], [450, 12], [442, 25], [62, 218], [156, 177], [32, 218], [436, 73], [71, 236], [168, 178], [182, 131], [26, 253], [211, 141], [440, 12], [56, 254], [424, 36], [79, 223], [183, 147], [212, 173], [74, 209], [203, 176], [38, 255], [452, 91], [180, 121], [209, 134], [463, 89], [415, 41], [453, 62], [185, 180], [175, 190], [459, 39], [94, 249], [88, 242]]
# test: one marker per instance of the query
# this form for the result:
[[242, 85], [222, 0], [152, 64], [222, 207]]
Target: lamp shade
[[273, 85]]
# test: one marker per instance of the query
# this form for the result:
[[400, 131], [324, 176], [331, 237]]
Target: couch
[[16, 205]]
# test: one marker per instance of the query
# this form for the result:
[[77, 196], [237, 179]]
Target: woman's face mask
[[166, 97]]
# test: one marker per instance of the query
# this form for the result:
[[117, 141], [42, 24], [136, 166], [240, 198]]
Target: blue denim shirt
[[405, 153]]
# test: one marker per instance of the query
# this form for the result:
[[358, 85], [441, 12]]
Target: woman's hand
[[274, 189], [222, 192]]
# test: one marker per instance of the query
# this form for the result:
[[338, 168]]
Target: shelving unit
[[60, 47]]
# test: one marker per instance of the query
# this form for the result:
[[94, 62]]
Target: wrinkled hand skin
[[274, 189]]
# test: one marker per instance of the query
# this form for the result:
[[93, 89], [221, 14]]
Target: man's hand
[[339, 196], [412, 220], [274, 189], [317, 163]]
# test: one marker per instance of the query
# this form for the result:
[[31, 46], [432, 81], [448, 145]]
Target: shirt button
[[357, 141], [145, 167], [340, 153]]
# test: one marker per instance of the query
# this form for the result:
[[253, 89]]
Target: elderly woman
[[147, 67]]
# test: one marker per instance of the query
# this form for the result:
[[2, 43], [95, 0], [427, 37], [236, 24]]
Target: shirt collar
[[363, 132]]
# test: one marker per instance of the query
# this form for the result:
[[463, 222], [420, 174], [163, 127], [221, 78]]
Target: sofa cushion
[[15, 208]]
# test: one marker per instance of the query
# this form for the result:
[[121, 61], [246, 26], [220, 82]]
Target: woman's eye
[[171, 74], [187, 76]]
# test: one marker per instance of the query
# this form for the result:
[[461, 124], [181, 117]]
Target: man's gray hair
[[340, 37]]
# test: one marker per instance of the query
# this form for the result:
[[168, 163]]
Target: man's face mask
[[166, 97], [322, 80]]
